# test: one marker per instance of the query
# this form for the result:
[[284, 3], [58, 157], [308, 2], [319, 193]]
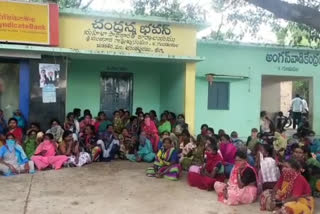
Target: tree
[[303, 12], [300, 29], [173, 9], [69, 3]]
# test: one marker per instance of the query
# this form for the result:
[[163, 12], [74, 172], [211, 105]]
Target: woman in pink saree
[[242, 185], [228, 152], [45, 154], [151, 132]]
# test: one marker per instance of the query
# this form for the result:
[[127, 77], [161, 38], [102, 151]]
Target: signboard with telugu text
[[28, 23], [127, 36]]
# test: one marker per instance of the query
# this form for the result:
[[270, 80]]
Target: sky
[[213, 18]]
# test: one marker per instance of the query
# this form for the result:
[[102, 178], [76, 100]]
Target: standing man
[[296, 108], [305, 108]]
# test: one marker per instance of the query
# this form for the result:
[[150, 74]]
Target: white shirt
[[296, 105], [264, 125], [269, 169], [305, 108]]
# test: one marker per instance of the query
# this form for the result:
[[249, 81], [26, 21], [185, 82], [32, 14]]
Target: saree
[[145, 152], [89, 145], [118, 125], [228, 152], [280, 142], [302, 205], [15, 156], [196, 159], [85, 123], [236, 196], [290, 184], [49, 158], [166, 164], [314, 179], [195, 179], [30, 146], [101, 126], [57, 133], [164, 127], [18, 134], [152, 134]]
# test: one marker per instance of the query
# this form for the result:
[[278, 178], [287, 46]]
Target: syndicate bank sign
[[29, 23]]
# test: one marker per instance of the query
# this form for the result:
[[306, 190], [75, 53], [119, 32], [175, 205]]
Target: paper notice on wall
[[49, 94]]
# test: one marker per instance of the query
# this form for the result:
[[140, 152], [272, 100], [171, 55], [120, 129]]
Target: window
[[218, 96]]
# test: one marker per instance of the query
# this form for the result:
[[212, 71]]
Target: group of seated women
[[282, 173]]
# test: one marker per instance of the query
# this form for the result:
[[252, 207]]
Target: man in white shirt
[[305, 108], [296, 108]]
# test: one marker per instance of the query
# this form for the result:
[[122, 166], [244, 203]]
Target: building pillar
[[189, 100], [24, 93]]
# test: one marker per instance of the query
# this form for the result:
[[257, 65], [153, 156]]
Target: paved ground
[[117, 187]]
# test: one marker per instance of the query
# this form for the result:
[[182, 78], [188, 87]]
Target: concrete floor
[[117, 187]]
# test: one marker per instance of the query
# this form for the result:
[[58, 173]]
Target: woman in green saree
[[165, 125]]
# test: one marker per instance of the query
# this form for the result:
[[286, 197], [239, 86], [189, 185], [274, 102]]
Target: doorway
[[277, 93], [9, 87], [116, 92]]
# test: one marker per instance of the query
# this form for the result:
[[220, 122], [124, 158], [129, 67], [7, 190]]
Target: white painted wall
[[270, 95]]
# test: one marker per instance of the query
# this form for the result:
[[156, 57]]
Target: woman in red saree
[[87, 121], [292, 193], [15, 130], [205, 177], [151, 131]]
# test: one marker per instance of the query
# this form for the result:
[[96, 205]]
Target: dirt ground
[[117, 187]]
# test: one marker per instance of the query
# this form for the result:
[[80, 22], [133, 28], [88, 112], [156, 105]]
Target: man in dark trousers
[[296, 108]]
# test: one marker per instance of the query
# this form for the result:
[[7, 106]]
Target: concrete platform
[[119, 187]]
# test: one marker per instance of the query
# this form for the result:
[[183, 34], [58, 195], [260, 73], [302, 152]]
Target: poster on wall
[[49, 94], [49, 75]]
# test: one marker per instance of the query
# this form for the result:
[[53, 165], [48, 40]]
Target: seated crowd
[[283, 172]]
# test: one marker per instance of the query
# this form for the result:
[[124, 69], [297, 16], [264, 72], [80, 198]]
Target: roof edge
[[72, 52], [254, 45]]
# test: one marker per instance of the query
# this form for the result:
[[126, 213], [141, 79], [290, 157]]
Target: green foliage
[[172, 9], [298, 35], [238, 19], [242, 18], [301, 87], [68, 3]]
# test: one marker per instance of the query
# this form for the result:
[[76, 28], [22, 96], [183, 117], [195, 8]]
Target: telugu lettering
[[287, 57], [122, 35]]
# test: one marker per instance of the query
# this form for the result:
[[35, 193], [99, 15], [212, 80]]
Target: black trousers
[[296, 116]]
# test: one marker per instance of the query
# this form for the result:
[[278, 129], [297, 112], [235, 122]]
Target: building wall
[[84, 84], [9, 96], [286, 96], [271, 93], [172, 82], [245, 94], [277, 95], [241, 108], [156, 86]]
